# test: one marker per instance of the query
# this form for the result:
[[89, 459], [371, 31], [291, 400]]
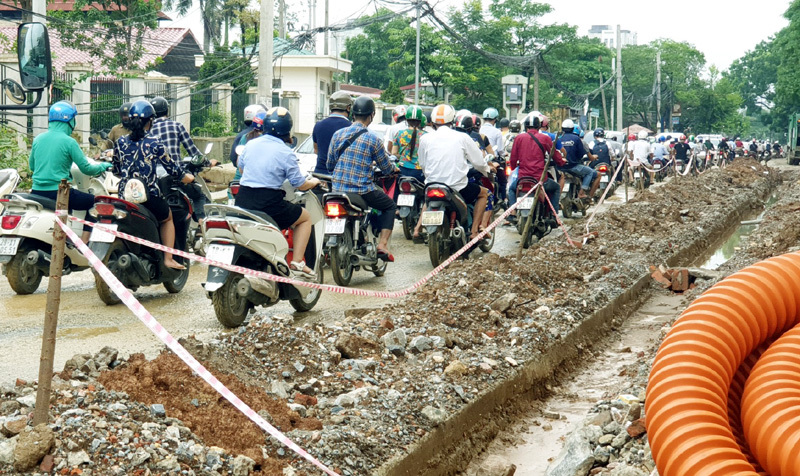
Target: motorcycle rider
[[724, 148], [490, 130], [136, 157], [641, 152], [340, 104], [600, 149], [122, 129], [406, 148], [503, 125], [660, 153], [681, 151], [575, 153], [52, 155], [249, 113], [528, 157], [753, 148], [446, 156], [350, 156], [266, 162], [399, 116]]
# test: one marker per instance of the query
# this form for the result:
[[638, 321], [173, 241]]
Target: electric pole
[[416, 67], [603, 96], [326, 28], [265, 32], [658, 92], [282, 19], [619, 79], [536, 83]]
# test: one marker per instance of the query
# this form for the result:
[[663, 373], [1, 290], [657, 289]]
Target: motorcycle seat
[[354, 199], [258, 213], [43, 201], [413, 180]]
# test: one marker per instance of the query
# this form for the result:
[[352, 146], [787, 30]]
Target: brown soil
[[185, 396]]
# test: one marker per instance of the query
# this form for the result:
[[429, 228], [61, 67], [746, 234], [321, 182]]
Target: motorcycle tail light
[[508, 171], [526, 187], [334, 210], [103, 209], [405, 187], [603, 169], [436, 193], [11, 221], [234, 190], [216, 224]]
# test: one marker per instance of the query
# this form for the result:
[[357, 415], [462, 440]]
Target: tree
[[371, 57], [223, 66], [393, 94], [438, 62], [712, 105], [113, 30], [787, 86], [754, 75]]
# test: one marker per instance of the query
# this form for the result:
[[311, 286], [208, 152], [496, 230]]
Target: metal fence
[[239, 101], [107, 95]]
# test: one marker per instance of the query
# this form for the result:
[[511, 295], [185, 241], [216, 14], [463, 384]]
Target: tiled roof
[[159, 42], [66, 6], [361, 89]]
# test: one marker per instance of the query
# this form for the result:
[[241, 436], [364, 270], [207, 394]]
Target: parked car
[[306, 156]]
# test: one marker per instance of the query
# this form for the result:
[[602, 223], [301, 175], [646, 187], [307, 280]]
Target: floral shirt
[[407, 158], [140, 160]]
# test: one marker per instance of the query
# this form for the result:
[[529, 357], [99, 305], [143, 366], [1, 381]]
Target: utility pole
[[536, 83], [658, 91], [619, 79], [326, 28], [603, 96], [282, 19], [267, 19], [416, 66]]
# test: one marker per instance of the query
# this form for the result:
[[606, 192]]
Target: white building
[[608, 36]]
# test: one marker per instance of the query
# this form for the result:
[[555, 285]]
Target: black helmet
[[532, 121], [599, 132], [142, 109], [515, 126], [160, 105], [464, 122], [363, 106], [504, 122], [125, 109], [278, 122]]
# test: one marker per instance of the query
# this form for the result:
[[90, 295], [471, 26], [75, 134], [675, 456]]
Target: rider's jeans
[[586, 174], [551, 188]]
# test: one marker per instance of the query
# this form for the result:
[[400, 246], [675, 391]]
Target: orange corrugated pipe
[[771, 407], [689, 430]]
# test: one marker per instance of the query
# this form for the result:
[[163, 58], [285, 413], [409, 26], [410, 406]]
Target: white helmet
[[642, 135], [568, 124], [251, 111], [399, 113], [443, 114]]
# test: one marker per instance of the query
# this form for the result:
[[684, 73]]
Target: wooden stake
[[41, 413]]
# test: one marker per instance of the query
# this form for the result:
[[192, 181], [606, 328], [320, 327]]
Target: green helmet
[[415, 113]]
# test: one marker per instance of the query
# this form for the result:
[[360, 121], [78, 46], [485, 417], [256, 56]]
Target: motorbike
[[133, 264], [661, 169], [253, 240], [194, 165], [351, 236], [9, 179], [26, 234], [409, 203], [606, 173], [570, 203], [542, 221]]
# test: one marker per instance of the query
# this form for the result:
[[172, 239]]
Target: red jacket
[[527, 154]]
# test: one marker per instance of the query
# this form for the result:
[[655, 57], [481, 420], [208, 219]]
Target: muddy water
[[86, 325], [534, 440]]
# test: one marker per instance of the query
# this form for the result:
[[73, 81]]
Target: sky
[[723, 31]]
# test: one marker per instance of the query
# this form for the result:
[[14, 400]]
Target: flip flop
[[385, 256]]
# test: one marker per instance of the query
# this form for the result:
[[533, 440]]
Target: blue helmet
[[62, 111], [278, 122], [258, 120], [142, 109], [490, 113]]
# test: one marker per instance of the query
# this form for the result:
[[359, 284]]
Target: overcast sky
[[723, 31]]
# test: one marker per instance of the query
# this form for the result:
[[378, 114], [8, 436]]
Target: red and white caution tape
[[136, 307], [295, 282]]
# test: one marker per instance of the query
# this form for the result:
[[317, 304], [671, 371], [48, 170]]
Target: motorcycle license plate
[[657, 166], [334, 226], [100, 236], [526, 203], [221, 253], [405, 200], [8, 246], [435, 218], [637, 175], [566, 188], [604, 179]]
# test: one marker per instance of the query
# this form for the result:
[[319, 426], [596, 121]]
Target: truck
[[793, 153]]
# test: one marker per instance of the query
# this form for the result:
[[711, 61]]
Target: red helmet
[[632, 137], [545, 121]]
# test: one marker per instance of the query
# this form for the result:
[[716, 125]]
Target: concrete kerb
[[449, 447]]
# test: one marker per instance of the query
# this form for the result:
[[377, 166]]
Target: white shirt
[[495, 137], [641, 151], [446, 155], [391, 133]]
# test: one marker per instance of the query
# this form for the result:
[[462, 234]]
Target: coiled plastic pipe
[[689, 430]]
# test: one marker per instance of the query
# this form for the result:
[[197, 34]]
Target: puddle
[[86, 332]]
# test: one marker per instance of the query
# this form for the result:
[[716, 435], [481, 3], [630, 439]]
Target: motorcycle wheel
[[341, 269], [311, 299], [176, 285], [408, 227], [103, 290], [487, 243], [231, 308], [566, 208], [22, 277], [437, 249]]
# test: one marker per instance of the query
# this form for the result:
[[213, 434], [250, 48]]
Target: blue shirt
[[553, 136], [267, 162], [659, 151], [352, 172], [575, 149], [322, 134]]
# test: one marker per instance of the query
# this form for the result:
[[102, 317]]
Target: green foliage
[[110, 29], [754, 75], [226, 67], [787, 87], [711, 105], [12, 156], [392, 94], [370, 53], [217, 124]]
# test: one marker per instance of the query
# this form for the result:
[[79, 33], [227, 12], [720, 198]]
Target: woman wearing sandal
[[266, 162], [405, 146]]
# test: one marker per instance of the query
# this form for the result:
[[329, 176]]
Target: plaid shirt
[[172, 134], [352, 172]]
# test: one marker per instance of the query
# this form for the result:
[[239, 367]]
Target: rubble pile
[[376, 382]]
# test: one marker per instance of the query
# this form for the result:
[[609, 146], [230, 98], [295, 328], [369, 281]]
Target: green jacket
[[52, 155]]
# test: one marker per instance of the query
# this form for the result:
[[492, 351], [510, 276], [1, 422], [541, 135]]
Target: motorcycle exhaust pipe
[[358, 260], [250, 285], [39, 260]]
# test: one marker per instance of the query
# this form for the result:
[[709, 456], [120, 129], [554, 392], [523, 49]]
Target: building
[[15, 13], [608, 36]]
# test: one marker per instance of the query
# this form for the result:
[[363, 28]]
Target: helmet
[[251, 111], [340, 101], [599, 132], [465, 122], [428, 116], [580, 131], [632, 137], [476, 119], [258, 120], [532, 120], [142, 109], [642, 135], [443, 114], [160, 105], [490, 113], [504, 122], [545, 121], [414, 113], [662, 138], [568, 125], [515, 126], [399, 113], [363, 106], [682, 137], [278, 122], [62, 111], [125, 109], [691, 138]]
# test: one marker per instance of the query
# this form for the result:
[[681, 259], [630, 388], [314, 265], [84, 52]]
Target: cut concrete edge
[[444, 449]]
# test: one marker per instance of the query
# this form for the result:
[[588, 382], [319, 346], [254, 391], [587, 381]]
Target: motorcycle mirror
[[198, 160], [104, 134], [294, 142], [209, 146], [239, 149], [93, 141]]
